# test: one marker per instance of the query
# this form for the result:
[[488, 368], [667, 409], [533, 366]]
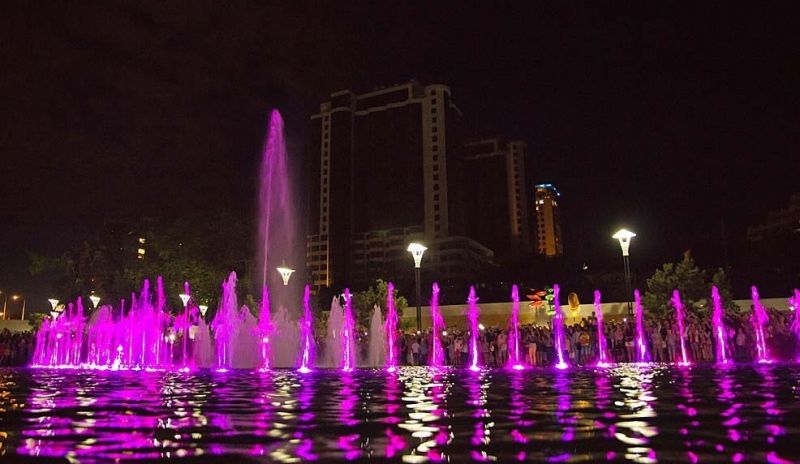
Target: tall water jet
[[679, 314], [602, 351], [760, 321], [185, 325], [224, 323], [718, 327], [265, 328], [472, 316], [376, 353], [437, 322], [391, 329], [514, 352], [558, 329], [285, 340], [348, 334], [276, 226], [795, 303], [334, 329], [306, 362], [641, 346]]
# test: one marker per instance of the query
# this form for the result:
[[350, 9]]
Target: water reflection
[[637, 413]]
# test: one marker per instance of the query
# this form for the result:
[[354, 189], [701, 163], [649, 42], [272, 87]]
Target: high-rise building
[[500, 216], [390, 170], [548, 221]]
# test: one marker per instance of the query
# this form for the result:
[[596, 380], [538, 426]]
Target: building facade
[[390, 170], [549, 242], [501, 218]]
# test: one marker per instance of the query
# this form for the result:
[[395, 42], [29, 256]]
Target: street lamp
[[17, 297], [203, 309], [417, 250], [285, 273], [624, 236], [184, 299], [94, 299]]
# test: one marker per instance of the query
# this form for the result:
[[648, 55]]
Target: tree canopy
[[364, 301], [693, 283], [201, 251]]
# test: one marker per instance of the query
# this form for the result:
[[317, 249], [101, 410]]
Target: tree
[[364, 301], [197, 250], [693, 284]]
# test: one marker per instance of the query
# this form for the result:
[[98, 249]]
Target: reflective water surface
[[644, 413]]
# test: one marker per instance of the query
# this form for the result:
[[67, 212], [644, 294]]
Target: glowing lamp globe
[[416, 250], [285, 273], [624, 236]]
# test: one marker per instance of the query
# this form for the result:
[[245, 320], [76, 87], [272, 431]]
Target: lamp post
[[94, 299], [285, 273], [624, 236], [417, 250], [17, 297]]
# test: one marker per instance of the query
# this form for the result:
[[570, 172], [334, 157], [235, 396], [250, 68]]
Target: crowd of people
[[662, 339], [15, 348]]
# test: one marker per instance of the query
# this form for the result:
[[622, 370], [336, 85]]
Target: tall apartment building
[[390, 171], [500, 218], [548, 221]]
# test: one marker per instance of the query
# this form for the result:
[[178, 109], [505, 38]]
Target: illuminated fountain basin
[[636, 413]]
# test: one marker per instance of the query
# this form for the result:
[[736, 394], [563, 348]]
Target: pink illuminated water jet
[[437, 326], [348, 334], [306, 334], [558, 329], [472, 317], [602, 352], [277, 224], [794, 302], [641, 346], [265, 327], [514, 355], [391, 329], [679, 315], [718, 327], [760, 321]]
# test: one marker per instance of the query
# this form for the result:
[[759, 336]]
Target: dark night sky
[[667, 119]]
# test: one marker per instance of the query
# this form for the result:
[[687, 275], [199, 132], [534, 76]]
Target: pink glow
[[348, 334], [277, 226], [676, 302], [265, 327], [794, 302], [760, 320], [437, 322], [641, 347], [514, 354], [391, 329], [602, 357], [306, 334], [472, 316], [223, 323], [558, 328], [718, 326]]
